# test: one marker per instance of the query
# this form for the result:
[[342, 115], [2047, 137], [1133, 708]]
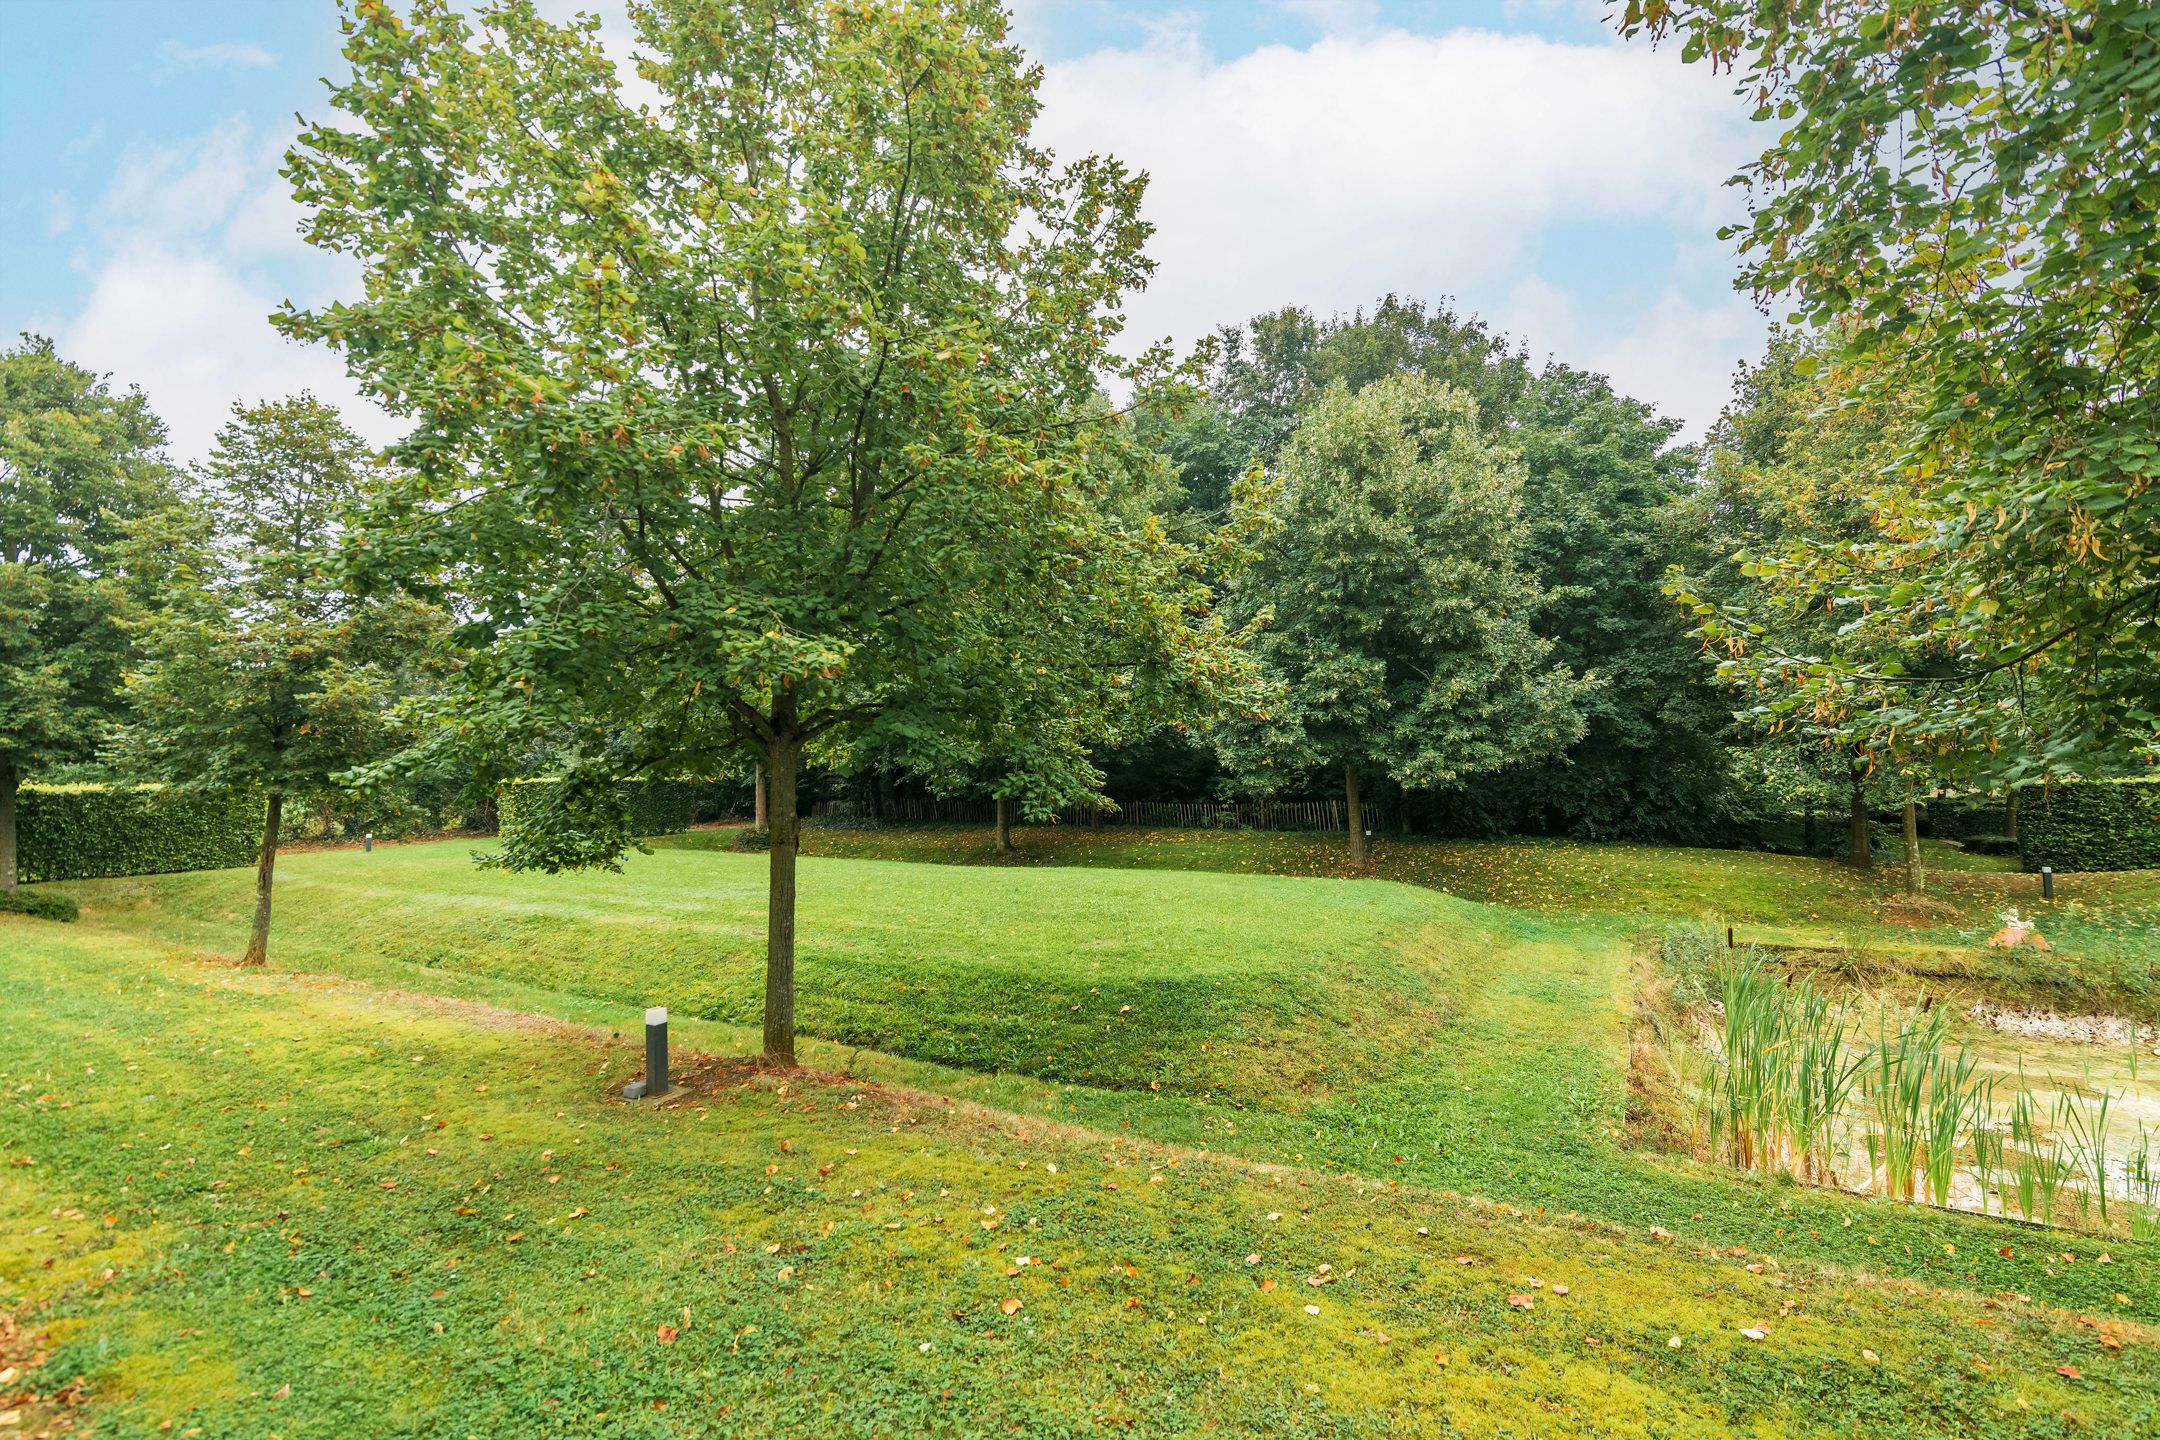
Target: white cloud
[[184, 187], [223, 55], [196, 337], [1678, 352], [189, 249], [59, 214], [1329, 175]]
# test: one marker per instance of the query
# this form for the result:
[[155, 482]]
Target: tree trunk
[[1353, 813], [777, 788], [2010, 817], [1004, 825], [258, 951], [1915, 875], [1094, 817], [10, 782], [757, 818], [1859, 843], [1807, 827]]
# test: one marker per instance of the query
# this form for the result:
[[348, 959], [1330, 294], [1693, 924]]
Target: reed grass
[[1777, 1090]]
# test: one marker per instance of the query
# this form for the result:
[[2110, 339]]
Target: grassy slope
[[425, 1217], [1373, 1027], [2106, 927], [1204, 983]]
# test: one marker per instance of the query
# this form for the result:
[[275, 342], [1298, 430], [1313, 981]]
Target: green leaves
[[1399, 611], [257, 667], [76, 463], [1964, 194]]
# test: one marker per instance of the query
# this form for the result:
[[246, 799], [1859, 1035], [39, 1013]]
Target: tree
[[1602, 485], [1799, 467], [1964, 191], [1604, 515], [76, 462], [1393, 604], [739, 423], [259, 670]]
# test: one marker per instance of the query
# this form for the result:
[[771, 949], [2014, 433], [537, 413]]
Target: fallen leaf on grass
[[1756, 1332], [2069, 1372], [665, 1334], [1870, 1356], [1010, 1305], [1521, 1302]]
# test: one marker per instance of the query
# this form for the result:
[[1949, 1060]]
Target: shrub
[[43, 904], [657, 807], [2094, 825], [81, 832], [1990, 845]]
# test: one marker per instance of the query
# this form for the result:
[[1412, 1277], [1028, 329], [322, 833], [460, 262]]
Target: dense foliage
[[257, 668], [1391, 605], [2093, 825], [1963, 192], [76, 463], [650, 807], [1601, 489], [76, 832]]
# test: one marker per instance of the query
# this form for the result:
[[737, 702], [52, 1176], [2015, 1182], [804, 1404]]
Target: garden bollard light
[[2047, 882], [367, 843], [655, 1081], [656, 1050]]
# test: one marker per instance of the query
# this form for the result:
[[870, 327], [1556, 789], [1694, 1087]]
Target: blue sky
[[1510, 155]]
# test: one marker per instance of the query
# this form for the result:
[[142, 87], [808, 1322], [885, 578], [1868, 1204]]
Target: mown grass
[[257, 1204], [2105, 927], [1372, 1027], [1200, 983]]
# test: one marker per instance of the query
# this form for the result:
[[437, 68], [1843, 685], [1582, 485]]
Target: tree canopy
[[1963, 192], [1392, 603], [76, 463], [761, 415], [255, 668]]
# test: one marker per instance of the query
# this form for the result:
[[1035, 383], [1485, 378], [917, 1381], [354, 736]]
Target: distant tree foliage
[[77, 462], [257, 669], [1602, 482], [1391, 603]]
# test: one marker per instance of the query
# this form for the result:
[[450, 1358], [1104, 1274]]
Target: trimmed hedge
[[41, 905], [657, 807], [82, 832], [2093, 825], [1962, 817]]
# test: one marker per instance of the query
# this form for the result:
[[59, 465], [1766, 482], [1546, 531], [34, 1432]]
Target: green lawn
[[1357, 1059], [2105, 928]]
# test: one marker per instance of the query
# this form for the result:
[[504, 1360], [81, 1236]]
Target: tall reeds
[[1783, 1073], [1788, 1077]]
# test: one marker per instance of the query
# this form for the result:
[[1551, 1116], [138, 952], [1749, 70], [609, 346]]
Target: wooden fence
[[1317, 815]]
